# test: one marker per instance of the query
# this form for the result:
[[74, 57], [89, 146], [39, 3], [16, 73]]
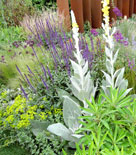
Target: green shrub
[[109, 122], [11, 34], [19, 120], [15, 12], [40, 4]]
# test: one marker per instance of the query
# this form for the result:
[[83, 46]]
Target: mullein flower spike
[[113, 78], [82, 87], [81, 82]]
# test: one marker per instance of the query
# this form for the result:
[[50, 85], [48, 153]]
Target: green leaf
[[60, 130], [71, 112], [105, 124], [64, 153], [39, 126]]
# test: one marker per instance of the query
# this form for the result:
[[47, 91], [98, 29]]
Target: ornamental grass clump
[[38, 22]]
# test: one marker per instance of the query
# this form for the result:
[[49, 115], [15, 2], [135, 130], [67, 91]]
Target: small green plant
[[40, 4], [11, 34], [111, 119], [15, 12]]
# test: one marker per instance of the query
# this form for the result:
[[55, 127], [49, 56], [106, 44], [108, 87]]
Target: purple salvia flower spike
[[23, 91], [43, 81], [29, 83], [35, 54], [49, 73], [20, 73], [92, 44], [30, 71], [44, 70]]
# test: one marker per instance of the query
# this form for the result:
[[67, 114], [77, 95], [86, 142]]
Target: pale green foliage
[[82, 87], [71, 112], [81, 82], [114, 78]]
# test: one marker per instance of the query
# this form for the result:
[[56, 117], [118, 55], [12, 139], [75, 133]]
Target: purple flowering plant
[[94, 32], [61, 49], [117, 12], [120, 39]]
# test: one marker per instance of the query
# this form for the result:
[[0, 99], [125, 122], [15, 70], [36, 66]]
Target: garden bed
[[66, 92]]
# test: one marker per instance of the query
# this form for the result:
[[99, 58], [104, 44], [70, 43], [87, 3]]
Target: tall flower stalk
[[81, 82], [82, 87], [114, 78]]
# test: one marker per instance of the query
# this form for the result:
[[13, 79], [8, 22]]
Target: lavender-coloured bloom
[[88, 56], [118, 36], [44, 70], [23, 91], [82, 42], [54, 58], [38, 29], [20, 73], [29, 83], [17, 46], [71, 44], [66, 60], [48, 25], [125, 43], [80, 45], [117, 12], [131, 64], [43, 81], [92, 44], [69, 52], [61, 43], [49, 73], [56, 52], [30, 71], [94, 32], [35, 54]]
